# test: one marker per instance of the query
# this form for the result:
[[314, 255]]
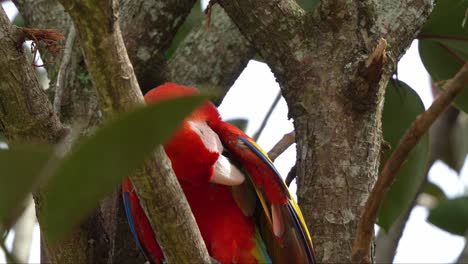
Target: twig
[[291, 175], [365, 231], [62, 73], [452, 53], [285, 142], [267, 116], [208, 9]]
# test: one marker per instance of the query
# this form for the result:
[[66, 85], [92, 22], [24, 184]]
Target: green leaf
[[451, 215], [97, 165], [402, 105], [20, 168], [443, 43], [435, 191], [240, 123]]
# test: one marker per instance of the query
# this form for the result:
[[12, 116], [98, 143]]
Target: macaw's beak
[[226, 173]]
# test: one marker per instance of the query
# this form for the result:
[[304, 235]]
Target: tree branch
[[62, 72], [420, 126], [267, 116], [258, 21], [285, 142], [118, 90], [291, 175]]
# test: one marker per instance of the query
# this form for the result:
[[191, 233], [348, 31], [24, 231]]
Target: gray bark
[[211, 58]]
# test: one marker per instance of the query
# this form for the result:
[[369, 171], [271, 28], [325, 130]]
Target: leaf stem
[[437, 36]]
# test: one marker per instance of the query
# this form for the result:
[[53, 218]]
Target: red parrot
[[241, 205]]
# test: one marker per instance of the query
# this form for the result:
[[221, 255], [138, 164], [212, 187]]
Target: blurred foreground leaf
[[20, 168], [451, 215], [402, 105], [97, 165]]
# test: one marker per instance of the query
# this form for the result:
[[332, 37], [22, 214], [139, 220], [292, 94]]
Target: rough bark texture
[[221, 48], [153, 34], [335, 100]]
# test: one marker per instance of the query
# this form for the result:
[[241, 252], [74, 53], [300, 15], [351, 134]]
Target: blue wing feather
[[131, 222]]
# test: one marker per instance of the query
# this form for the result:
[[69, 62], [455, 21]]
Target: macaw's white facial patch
[[226, 174]]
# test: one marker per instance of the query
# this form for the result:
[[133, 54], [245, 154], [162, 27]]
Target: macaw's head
[[196, 138], [206, 112]]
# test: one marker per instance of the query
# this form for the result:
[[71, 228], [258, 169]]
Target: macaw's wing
[[280, 220]]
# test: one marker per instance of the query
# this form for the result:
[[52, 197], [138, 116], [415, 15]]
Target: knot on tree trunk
[[365, 86]]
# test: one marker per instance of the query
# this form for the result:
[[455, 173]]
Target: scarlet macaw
[[241, 205]]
